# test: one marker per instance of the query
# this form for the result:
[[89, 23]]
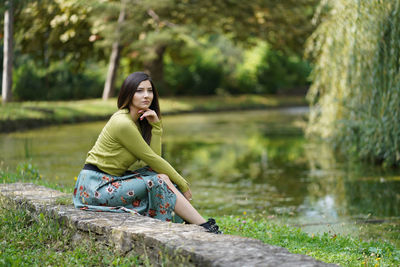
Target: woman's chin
[[142, 106]]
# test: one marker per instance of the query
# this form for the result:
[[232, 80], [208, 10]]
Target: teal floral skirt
[[140, 192]]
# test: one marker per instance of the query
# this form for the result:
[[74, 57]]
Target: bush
[[260, 70], [28, 83], [202, 77], [58, 82], [278, 72]]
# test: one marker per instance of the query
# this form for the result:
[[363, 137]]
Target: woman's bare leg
[[183, 208]]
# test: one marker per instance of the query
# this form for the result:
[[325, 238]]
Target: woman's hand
[[188, 195], [149, 114]]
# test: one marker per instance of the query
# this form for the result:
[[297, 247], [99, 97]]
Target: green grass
[[337, 249], [29, 241], [238, 102], [56, 110], [68, 110], [26, 172]]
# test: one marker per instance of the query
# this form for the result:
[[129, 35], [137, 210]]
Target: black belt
[[92, 167]]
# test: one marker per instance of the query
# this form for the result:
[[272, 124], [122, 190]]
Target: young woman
[[134, 133]]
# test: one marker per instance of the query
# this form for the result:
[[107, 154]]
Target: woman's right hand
[[149, 114], [188, 195]]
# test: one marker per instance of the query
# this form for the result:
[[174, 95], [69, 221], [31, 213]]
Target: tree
[[130, 34], [115, 56], [155, 25], [50, 30], [8, 52], [285, 25], [355, 97]]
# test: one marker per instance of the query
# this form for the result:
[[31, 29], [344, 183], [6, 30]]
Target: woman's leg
[[182, 206]]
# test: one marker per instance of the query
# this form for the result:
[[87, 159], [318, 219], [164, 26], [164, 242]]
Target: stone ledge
[[138, 234]]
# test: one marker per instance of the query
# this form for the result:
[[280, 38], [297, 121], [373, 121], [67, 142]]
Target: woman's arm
[[156, 133], [155, 143], [156, 128], [128, 135]]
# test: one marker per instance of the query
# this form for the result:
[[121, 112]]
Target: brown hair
[[128, 89]]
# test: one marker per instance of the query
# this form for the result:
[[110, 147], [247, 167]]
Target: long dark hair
[[128, 89]]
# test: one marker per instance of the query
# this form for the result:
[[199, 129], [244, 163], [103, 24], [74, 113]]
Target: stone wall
[[186, 244]]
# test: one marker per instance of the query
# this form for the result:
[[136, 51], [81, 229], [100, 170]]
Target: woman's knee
[[164, 177]]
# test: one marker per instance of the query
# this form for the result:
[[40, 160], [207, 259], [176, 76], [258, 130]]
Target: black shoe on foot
[[211, 226]]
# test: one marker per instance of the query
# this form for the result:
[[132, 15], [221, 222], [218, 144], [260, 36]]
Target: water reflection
[[253, 161], [279, 167]]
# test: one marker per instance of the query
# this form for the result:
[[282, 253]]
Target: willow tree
[[355, 95]]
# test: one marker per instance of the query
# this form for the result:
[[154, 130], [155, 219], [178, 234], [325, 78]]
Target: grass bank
[[25, 115], [37, 241], [338, 249], [19, 229]]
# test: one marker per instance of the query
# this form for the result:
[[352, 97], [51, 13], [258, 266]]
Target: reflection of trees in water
[[324, 176], [271, 163], [285, 169], [254, 157], [372, 196], [358, 189]]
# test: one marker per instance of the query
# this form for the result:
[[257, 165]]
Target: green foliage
[[279, 71], [218, 67], [156, 26], [330, 248], [57, 82], [63, 36], [355, 95], [28, 83], [50, 31], [283, 24], [201, 77]]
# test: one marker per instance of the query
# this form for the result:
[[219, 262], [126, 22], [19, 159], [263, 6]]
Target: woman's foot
[[211, 226]]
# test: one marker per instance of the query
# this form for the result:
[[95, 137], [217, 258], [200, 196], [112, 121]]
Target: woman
[[134, 133]]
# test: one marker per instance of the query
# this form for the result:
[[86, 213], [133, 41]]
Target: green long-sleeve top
[[120, 144]]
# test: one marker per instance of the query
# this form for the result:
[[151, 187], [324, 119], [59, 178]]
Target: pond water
[[252, 162]]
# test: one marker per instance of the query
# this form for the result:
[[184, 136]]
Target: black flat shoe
[[211, 226]]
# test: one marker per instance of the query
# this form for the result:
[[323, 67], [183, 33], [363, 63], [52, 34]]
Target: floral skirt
[[141, 192]]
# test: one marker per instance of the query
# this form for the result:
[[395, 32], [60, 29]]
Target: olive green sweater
[[120, 144]]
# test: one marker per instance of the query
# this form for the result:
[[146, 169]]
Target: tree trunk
[[108, 91], [114, 58], [156, 69], [8, 52]]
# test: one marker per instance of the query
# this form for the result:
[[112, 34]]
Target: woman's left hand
[[188, 195], [149, 114]]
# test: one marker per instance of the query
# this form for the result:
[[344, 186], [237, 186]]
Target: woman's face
[[143, 96]]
